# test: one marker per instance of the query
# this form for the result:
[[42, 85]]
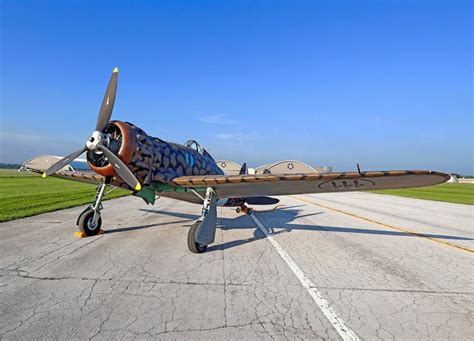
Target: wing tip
[[445, 176], [115, 70]]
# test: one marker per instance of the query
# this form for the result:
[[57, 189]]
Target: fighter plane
[[122, 155]]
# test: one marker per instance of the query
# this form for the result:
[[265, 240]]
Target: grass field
[[452, 192], [9, 172], [23, 196]]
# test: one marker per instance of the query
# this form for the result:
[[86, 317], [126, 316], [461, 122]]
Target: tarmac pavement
[[333, 266]]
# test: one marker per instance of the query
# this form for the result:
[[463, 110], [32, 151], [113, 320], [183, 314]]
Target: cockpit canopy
[[193, 144]]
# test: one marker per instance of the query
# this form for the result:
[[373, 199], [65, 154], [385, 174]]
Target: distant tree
[[10, 165]]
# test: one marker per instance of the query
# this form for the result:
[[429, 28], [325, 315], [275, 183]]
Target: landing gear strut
[[90, 221], [203, 231]]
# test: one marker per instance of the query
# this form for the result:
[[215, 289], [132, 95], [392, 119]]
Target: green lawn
[[10, 172], [449, 192], [23, 196]]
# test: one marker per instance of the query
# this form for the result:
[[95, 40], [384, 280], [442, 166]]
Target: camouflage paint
[[154, 160]]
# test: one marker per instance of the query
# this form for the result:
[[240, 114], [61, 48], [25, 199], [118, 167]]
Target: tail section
[[243, 170]]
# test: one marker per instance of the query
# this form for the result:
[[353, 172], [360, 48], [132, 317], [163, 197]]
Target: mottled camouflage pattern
[[158, 160]]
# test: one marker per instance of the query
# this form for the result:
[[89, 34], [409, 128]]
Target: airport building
[[43, 162], [280, 167]]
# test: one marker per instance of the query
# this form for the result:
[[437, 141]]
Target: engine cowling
[[122, 142]]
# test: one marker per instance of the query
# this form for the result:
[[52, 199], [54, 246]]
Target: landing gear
[[243, 208], [194, 246], [203, 231], [90, 221], [87, 225]]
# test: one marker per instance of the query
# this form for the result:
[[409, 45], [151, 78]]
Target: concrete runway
[[335, 266]]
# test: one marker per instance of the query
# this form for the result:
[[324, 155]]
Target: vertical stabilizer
[[243, 170]]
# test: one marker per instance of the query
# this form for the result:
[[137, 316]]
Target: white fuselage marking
[[344, 331]]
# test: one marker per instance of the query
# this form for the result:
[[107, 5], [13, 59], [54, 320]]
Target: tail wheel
[[245, 209], [193, 246], [86, 224]]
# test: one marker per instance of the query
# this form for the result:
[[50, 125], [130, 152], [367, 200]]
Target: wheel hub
[[90, 224]]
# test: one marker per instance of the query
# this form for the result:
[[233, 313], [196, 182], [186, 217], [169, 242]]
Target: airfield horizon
[[24, 194]]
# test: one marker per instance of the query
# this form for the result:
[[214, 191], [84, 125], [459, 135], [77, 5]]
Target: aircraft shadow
[[286, 215]]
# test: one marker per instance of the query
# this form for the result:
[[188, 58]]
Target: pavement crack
[[67, 254], [101, 325]]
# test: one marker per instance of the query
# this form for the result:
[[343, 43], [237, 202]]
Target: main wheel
[[192, 245], [86, 225]]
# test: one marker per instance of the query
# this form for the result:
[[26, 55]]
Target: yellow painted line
[[416, 234]]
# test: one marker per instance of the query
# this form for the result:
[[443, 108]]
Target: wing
[[236, 186], [87, 177]]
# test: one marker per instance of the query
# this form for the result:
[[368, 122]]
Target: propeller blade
[[121, 169], [108, 102], [64, 162]]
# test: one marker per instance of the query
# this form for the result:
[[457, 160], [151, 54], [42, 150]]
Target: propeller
[[100, 140]]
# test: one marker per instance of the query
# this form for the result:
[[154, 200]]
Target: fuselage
[[152, 159]]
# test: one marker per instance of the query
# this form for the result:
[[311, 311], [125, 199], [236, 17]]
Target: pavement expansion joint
[[117, 280]]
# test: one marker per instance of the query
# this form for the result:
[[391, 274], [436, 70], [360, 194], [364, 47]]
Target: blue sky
[[387, 84]]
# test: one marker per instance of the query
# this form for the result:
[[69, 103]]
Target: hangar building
[[281, 167], [43, 162], [229, 167]]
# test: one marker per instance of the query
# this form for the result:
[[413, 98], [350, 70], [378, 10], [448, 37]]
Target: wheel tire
[[238, 210], [85, 224], [192, 245]]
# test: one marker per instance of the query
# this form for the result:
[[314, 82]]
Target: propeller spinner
[[99, 141]]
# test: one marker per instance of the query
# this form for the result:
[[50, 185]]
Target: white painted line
[[344, 331]]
